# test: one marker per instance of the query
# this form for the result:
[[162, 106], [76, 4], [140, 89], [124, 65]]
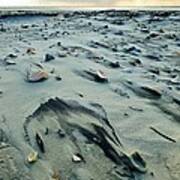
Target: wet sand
[[90, 95]]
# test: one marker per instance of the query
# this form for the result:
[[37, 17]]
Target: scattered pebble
[[77, 158], [58, 78], [31, 51], [10, 62], [61, 133], [49, 57]]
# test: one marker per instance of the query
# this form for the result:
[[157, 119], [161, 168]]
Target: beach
[[90, 95]]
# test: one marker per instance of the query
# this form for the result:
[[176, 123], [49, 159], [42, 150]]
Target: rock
[[153, 57], [119, 33], [65, 33], [49, 57], [152, 91], [154, 70], [152, 35], [136, 62], [77, 158], [114, 64], [61, 133], [146, 91], [24, 26], [100, 76], [132, 49], [32, 157], [58, 78], [12, 56], [31, 51], [10, 62], [61, 55], [36, 75], [8, 59], [80, 95], [145, 30], [59, 44]]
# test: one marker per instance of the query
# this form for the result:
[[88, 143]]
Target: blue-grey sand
[[90, 95]]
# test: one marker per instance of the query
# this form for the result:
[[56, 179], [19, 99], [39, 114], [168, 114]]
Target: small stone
[[81, 95], [114, 64], [100, 76], [46, 131], [24, 26], [132, 49], [76, 158], [126, 114], [58, 78], [49, 57], [65, 33], [152, 35], [61, 55], [61, 133], [58, 43], [31, 51], [12, 56], [136, 62], [10, 62]]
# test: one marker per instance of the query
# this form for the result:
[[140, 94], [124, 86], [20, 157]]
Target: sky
[[90, 3]]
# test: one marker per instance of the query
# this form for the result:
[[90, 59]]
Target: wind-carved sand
[[90, 95]]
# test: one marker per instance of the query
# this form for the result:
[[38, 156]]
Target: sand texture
[[90, 95]]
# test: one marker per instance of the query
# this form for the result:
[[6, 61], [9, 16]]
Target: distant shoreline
[[91, 8], [54, 11]]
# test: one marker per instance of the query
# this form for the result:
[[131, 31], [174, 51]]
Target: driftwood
[[40, 143], [163, 135]]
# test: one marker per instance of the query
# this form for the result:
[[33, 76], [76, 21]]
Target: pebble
[[58, 78], [31, 51], [49, 57], [77, 158], [10, 62]]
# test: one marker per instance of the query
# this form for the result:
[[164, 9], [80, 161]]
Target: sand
[[90, 95]]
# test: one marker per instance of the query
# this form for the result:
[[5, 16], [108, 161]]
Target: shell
[[32, 157], [101, 74], [76, 158]]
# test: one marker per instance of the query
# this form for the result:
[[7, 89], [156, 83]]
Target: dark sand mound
[[68, 128]]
